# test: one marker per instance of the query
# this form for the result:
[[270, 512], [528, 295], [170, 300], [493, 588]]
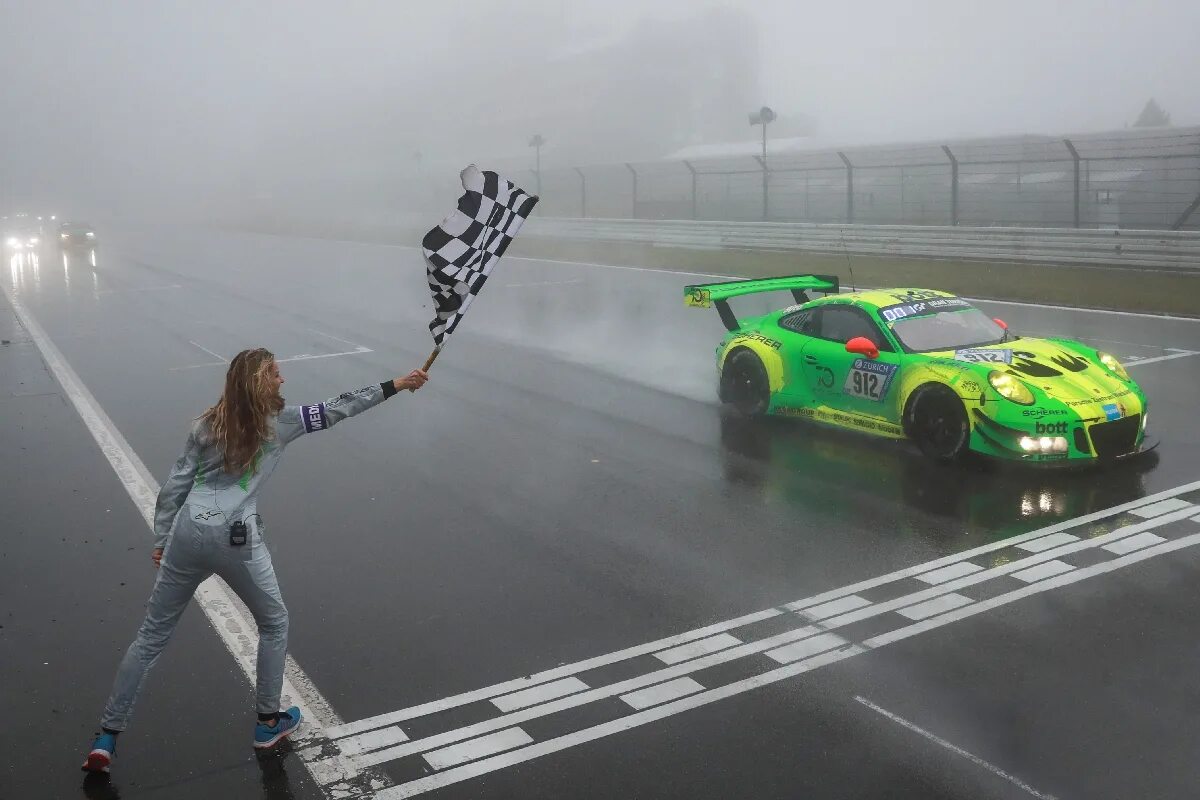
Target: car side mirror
[[1000, 322], [862, 346]]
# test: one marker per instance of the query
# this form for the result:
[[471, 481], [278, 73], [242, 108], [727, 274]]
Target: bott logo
[[1050, 428]]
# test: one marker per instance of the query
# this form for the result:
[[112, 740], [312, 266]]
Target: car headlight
[[91, 235], [33, 241], [1113, 365], [64, 236], [1010, 388], [12, 242]]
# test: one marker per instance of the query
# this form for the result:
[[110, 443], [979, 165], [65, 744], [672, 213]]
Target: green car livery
[[923, 365]]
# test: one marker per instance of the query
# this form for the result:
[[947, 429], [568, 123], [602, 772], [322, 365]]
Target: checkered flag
[[461, 252]]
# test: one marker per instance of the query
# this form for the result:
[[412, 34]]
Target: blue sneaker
[[285, 725], [103, 750]]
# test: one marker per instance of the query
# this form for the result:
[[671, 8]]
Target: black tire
[[744, 384], [938, 424]]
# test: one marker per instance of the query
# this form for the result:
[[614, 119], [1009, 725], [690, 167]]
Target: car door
[[848, 381]]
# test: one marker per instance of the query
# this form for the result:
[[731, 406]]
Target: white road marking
[[543, 283], [1181, 354], [539, 694], [955, 749], [661, 693], [357, 347], [937, 605], [372, 740], [834, 607], [304, 357], [957, 570], [435, 706], [539, 749], [806, 648], [1047, 569], [1129, 544], [686, 652], [1047, 542], [138, 289], [229, 618], [218, 356], [478, 748], [1161, 507]]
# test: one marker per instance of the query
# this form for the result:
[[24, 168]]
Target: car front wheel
[[939, 426]]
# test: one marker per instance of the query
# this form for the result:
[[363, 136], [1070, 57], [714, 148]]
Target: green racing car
[[923, 365]]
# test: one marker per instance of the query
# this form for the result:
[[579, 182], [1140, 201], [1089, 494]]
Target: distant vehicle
[[76, 235], [927, 366], [21, 238]]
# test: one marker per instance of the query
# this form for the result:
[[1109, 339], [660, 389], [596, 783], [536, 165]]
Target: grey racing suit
[[197, 503]]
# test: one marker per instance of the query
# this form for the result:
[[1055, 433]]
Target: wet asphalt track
[[566, 487]]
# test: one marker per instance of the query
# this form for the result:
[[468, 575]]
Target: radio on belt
[[237, 533]]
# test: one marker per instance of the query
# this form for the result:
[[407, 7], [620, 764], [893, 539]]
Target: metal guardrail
[[1155, 249]]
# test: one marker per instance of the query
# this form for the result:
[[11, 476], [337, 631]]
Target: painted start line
[[773, 645]]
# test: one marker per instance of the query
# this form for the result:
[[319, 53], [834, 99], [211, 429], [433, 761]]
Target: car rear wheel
[[939, 425], [744, 384]]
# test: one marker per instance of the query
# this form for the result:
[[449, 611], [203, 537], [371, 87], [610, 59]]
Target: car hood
[[1056, 370]]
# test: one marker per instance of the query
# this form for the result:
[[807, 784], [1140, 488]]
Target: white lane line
[[835, 607], [224, 611], [1048, 542], [217, 356], [1182, 354], [1143, 314], [358, 347], [974, 759], [478, 748], [509, 759], [958, 570], [372, 740], [937, 605], [1161, 507], [1047, 569], [662, 693], [304, 357], [543, 283], [806, 648], [1128, 545], [539, 694], [686, 652], [485, 693], [138, 289]]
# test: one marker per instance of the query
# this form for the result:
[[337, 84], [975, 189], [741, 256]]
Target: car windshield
[[951, 329]]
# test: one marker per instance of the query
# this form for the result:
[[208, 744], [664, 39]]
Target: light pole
[[536, 142], [762, 117]]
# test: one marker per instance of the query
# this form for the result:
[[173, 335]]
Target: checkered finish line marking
[[827, 628]]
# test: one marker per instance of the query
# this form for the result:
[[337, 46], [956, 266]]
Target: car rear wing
[[707, 295]]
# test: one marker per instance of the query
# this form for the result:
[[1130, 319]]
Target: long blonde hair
[[238, 423]]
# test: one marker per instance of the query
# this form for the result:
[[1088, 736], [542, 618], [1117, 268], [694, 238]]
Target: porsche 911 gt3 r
[[923, 365]]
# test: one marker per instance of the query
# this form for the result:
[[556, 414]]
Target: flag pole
[[429, 361]]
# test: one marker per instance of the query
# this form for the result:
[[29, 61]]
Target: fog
[[200, 109]]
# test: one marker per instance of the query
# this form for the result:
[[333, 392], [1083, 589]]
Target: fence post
[[633, 172], [582, 192], [1075, 156], [953, 185], [762, 163], [1187, 212], [692, 170], [849, 187]]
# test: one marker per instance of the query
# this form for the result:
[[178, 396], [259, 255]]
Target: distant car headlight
[[64, 236], [33, 241], [1010, 388], [12, 242], [1113, 365], [91, 235]]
